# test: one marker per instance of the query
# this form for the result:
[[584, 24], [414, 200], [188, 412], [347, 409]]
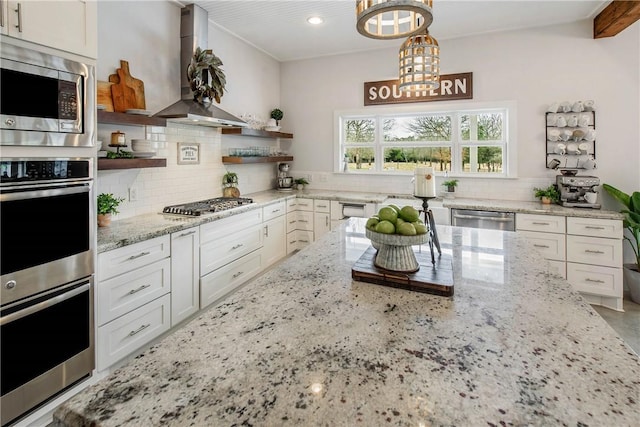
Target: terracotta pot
[[632, 279], [104, 220], [545, 200]]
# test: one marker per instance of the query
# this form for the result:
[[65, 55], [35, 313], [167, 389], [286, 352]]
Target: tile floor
[[626, 324]]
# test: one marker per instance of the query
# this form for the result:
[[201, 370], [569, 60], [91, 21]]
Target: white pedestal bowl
[[395, 252]]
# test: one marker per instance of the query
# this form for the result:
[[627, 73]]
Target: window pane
[[359, 159], [482, 159], [359, 130], [408, 158], [417, 128], [481, 127]]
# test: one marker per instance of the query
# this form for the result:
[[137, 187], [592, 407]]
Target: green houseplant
[[107, 205], [547, 195], [631, 223], [277, 115], [230, 185], [451, 185], [300, 183]]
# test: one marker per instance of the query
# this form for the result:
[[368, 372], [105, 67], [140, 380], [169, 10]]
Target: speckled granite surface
[[131, 230], [303, 344]]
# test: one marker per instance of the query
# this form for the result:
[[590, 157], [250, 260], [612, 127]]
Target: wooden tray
[[436, 280]]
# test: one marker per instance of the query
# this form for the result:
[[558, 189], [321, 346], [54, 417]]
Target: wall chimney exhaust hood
[[194, 32]]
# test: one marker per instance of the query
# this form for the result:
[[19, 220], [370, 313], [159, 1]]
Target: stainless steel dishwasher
[[491, 220]]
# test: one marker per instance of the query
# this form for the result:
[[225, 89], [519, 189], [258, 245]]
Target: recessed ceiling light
[[315, 20]]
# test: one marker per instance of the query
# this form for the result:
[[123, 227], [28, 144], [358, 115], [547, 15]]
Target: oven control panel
[[15, 171]]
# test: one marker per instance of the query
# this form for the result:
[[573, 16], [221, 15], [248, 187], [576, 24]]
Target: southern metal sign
[[452, 86]]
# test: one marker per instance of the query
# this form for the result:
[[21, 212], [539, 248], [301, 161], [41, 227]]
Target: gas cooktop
[[207, 206]]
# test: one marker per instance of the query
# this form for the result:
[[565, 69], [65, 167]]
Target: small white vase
[[632, 279]]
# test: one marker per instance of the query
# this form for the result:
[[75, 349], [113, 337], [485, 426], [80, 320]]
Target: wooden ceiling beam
[[614, 18]]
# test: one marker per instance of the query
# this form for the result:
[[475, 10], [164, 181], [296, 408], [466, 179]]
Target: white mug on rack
[[591, 135], [577, 107], [561, 122], [552, 119], [583, 121], [572, 121]]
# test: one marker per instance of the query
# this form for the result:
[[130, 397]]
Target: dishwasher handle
[[488, 218]]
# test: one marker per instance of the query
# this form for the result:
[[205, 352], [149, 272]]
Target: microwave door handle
[[44, 192]]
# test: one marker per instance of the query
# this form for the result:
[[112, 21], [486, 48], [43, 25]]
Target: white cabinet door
[[544, 223], [594, 227], [322, 206], [71, 25], [321, 224], [595, 280], [274, 210], [128, 258], [304, 205], [224, 250], [226, 279], [595, 251], [185, 274], [551, 245], [274, 245]]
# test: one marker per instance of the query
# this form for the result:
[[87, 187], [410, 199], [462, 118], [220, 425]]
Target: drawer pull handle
[[140, 329], [541, 246], [275, 211], [292, 242], [322, 206], [303, 220], [593, 280], [135, 291], [590, 251], [187, 233], [239, 245], [540, 223], [292, 222], [266, 231], [326, 221], [593, 227], [238, 274], [304, 241], [141, 254]]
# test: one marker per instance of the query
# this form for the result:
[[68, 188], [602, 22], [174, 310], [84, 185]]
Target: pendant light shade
[[419, 63], [392, 19]]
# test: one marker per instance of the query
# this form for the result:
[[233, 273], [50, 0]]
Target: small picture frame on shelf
[[188, 153]]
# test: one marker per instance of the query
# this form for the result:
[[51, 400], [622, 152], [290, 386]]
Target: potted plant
[[107, 205], [631, 211], [230, 185], [300, 183], [547, 195], [277, 115], [451, 185], [206, 78]]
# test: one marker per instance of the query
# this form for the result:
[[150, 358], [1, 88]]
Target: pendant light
[[419, 63], [392, 19]]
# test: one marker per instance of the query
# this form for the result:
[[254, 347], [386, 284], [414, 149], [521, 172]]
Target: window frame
[[456, 111]]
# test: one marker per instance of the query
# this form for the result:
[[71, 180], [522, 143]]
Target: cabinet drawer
[[552, 246], [322, 206], [304, 221], [218, 283], [594, 250], [220, 252], [292, 221], [595, 280], [594, 227], [215, 230], [121, 337], [544, 223], [292, 205], [130, 257], [304, 238], [558, 268], [122, 294], [305, 205], [274, 210], [292, 241]]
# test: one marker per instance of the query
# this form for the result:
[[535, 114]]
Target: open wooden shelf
[[244, 160], [111, 164], [129, 119], [255, 132]]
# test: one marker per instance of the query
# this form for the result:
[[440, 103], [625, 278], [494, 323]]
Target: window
[[467, 141]]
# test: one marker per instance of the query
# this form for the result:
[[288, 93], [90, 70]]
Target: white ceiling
[[279, 27]]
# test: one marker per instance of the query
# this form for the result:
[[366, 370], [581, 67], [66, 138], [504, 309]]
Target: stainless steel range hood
[[194, 32]]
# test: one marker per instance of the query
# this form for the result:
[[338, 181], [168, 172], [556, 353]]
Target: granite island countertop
[[304, 344]]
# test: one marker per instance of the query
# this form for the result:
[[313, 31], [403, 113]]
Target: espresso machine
[[285, 182], [575, 190]]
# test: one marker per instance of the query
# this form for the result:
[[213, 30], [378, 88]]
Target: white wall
[[531, 67], [146, 34]]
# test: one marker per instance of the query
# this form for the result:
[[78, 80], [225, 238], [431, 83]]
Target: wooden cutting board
[[104, 95], [124, 97], [136, 84]]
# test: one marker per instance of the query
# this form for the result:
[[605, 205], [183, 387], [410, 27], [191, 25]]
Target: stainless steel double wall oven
[[47, 230]]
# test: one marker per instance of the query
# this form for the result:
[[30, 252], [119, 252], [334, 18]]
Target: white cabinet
[[71, 25], [586, 251], [321, 224], [274, 246], [547, 234], [133, 298], [229, 254], [594, 260], [299, 223], [185, 274]]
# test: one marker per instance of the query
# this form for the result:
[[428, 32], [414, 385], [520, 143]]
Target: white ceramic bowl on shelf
[[272, 128], [143, 145]]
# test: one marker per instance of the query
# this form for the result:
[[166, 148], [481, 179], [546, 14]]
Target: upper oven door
[[46, 239]]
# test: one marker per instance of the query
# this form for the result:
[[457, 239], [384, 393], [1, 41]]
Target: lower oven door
[[47, 344]]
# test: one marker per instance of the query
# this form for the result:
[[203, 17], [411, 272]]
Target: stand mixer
[[285, 182]]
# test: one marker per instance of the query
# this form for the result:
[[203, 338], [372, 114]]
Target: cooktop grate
[[198, 208]]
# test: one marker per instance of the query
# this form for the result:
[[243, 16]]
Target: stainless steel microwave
[[45, 100]]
